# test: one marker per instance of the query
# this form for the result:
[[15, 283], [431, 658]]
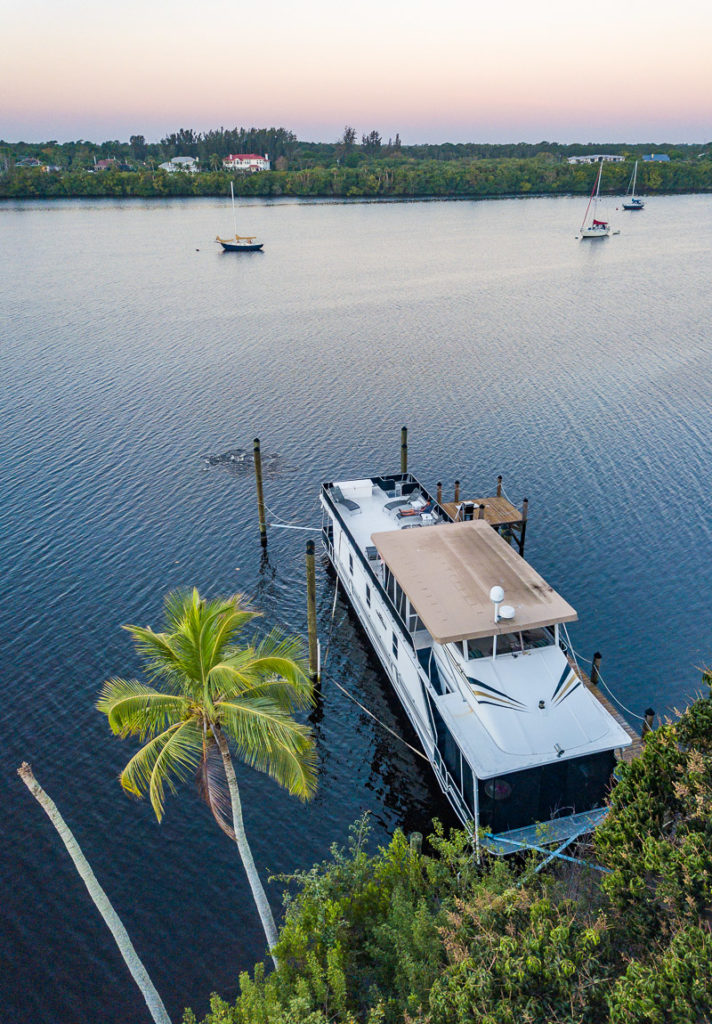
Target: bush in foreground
[[431, 938]]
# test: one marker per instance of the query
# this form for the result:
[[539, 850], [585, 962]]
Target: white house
[[180, 163], [246, 162], [594, 158]]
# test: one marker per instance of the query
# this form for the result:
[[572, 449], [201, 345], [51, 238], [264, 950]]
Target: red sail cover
[[599, 224]]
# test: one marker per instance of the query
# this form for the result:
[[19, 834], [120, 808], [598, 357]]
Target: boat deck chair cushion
[[352, 506]]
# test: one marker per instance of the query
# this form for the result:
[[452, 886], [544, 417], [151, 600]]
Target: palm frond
[[136, 776], [177, 760], [137, 709], [268, 739], [156, 650], [213, 788]]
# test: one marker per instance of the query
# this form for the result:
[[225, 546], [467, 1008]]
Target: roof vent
[[506, 611]]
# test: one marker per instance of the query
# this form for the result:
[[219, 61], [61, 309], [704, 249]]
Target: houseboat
[[473, 642]]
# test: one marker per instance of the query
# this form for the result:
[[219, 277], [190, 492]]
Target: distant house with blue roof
[[658, 158]]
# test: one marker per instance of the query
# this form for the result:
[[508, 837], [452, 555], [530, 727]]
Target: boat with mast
[[239, 243], [520, 742], [631, 200], [592, 226]]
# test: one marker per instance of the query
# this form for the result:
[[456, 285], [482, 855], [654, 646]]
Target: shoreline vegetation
[[340, 170], [408, 935]]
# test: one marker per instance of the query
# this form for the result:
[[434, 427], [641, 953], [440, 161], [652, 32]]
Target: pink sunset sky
[[453, 71]]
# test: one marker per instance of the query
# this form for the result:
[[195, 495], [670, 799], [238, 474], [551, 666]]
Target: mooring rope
[[579, 657], [374, 717]]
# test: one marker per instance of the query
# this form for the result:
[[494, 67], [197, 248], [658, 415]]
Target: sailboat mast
[[635, 178], [593, 198], [234, 218]]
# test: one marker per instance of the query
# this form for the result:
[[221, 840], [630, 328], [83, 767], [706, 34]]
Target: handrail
[[364, 561]]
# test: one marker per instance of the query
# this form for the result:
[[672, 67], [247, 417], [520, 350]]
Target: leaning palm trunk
[[101, 900], [243, 846]]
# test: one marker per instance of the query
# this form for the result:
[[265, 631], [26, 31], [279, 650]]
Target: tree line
[[383, 175], [284, 148]]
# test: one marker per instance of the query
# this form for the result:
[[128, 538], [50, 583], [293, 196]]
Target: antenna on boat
[[496, 597]]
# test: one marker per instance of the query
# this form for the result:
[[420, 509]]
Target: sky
[[452, 71]]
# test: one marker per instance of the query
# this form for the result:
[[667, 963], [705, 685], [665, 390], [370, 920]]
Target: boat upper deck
[[370, 507]]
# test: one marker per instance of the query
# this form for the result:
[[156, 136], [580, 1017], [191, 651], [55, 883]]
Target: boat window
[[394, 645], [351, 564], [480, 647], [368, 595], [547, 791], [510, 643]]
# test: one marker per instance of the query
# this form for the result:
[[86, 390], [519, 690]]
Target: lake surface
[[131, 348]]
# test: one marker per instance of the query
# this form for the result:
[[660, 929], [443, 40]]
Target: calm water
[[131, 347]]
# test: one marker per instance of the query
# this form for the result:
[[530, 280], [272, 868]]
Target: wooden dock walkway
[[497, 511], [636, 747]]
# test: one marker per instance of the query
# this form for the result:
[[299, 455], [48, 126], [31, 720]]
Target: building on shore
[[249, 162], [594, 158]]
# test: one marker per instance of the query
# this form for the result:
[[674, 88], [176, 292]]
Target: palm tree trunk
[[101, 900], [258, 893]]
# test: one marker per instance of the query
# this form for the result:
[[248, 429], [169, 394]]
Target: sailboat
[[594, 227], [240, 243], [631, 201]]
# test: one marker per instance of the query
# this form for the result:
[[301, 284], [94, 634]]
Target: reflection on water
[[582, 373]]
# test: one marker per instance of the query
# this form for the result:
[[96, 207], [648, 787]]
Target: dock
[[636, 747], [498, 511]]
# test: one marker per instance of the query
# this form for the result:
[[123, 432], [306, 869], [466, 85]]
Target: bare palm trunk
[[243, 846], [101, 900]]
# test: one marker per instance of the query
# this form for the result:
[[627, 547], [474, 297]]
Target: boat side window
[[351, 564], [368, 595], [394, 645], [480, 647]]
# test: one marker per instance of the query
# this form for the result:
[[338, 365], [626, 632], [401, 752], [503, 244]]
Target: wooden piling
[[595, 666], [311, 613], [260, 495], [647, 723], [440, 492], [499, 486], [404, 449], [481, 512], [457, 491], [523, 533]]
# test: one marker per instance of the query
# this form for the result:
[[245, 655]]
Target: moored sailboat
[[592, 226], [631, 201], [239, 243]]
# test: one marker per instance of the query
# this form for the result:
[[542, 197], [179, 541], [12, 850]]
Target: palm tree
[[206, 690], [101, 900]]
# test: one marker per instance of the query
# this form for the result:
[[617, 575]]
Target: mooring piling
[[523, 533], [481, 512], [404, 449], [440, 492], [457, 491], [647, 723], [595, 667], [260, 495], [499, 486], [311, 614]]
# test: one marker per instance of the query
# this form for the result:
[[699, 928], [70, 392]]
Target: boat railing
[[402, 628]]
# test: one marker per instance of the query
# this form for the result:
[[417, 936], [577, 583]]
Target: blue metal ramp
[[559, 832]]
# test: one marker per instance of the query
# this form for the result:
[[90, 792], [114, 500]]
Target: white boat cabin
[[471, 638]]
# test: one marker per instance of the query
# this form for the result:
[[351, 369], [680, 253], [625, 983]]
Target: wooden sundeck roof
[[447, 572]]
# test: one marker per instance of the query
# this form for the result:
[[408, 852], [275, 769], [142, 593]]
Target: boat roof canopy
[[447, 572]]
